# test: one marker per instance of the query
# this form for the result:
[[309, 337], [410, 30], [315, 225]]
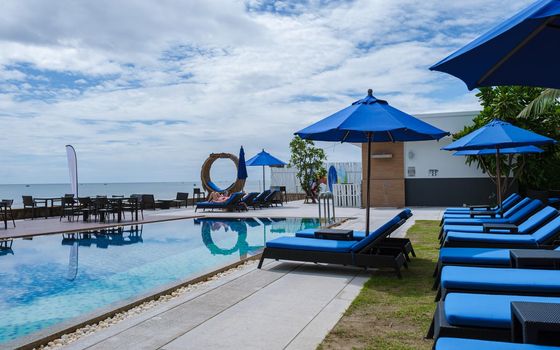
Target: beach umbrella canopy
[[492, 151], [265, 159], [241, 166], [498, 135], [371, 120], [523, 50]]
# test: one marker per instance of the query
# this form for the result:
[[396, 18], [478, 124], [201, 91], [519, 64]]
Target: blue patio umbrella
[[492, 151], [265, 159], [523, 50], [332, 177], [241, 166], [371, 120], [498, 135]]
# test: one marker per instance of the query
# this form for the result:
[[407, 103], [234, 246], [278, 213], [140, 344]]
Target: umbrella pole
[[498, 180], [368, 181], [263, 180]]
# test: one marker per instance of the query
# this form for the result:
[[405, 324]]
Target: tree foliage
[[308, 160], [506, 103]]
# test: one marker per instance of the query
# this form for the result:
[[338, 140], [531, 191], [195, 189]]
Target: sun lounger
[[543, 236], [528, 226], [270, 199], [470, 344], [259, 200], [401, 243], [249, 199], [232, 203], [481, 316], [523, 211], [507, 204], [467, 279], [484, 214], [365, 253]]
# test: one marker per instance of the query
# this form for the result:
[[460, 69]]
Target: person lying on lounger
[[217, 197]]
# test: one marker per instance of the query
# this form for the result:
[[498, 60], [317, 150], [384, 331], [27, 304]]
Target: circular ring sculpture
[[207, 182]]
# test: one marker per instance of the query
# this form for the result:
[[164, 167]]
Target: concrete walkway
[[283, 306]]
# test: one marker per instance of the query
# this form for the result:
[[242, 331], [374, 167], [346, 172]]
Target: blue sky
[[145, 90]]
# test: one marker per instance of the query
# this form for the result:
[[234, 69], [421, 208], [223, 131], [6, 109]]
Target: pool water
[[52, 279]]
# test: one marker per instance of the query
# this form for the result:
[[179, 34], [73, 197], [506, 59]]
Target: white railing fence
[[347, 195]]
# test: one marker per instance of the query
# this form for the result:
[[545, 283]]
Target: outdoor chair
[[469, 344], [260, 199], [404, 244], [478, 316], [84, 208], [468, 279], [131, 206], [507, 204], [542, 237], [181, 198], [68, 204], [367, 253], [8, 210], [274, 198], [231, 204], [29, 202], [148, 201], [249, 199]]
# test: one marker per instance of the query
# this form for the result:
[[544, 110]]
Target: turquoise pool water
[[52, 279]]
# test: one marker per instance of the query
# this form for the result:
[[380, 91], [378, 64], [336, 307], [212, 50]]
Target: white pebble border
[[109, 321]]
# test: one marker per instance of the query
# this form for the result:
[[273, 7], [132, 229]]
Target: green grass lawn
[[390, 313]]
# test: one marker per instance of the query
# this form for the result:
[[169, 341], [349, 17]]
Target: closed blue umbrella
[[265, 159], [498, 135], [371, 120], [492, 151], [241, 166], [520, 51], [332, 177]]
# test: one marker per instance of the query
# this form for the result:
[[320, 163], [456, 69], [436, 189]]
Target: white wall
[[427, 155]]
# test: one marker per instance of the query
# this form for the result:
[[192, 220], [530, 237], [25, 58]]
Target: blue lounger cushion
[[506, 205], [500, 279], [475, 256], [485, 310], [300, 243], [472, 344]]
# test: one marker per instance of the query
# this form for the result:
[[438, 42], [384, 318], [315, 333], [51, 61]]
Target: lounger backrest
[[378, 235], [522, 203], [405, 214], [234, 198], [262, 196], [538, 219], [271, 195], [510, 201], [523, 213], [548, 232]]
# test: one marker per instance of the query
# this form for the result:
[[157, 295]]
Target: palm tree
[[546, 100]]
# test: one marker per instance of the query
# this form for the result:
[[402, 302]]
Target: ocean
[[161, 190]]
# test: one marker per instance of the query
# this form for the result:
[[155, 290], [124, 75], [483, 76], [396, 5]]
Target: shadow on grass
[[390, 313]]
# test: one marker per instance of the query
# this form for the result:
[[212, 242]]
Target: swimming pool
[[52, 279]]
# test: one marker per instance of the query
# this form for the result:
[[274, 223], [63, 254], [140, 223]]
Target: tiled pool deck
[[283, 306]]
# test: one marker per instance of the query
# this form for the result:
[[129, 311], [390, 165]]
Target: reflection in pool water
[[54, 278]]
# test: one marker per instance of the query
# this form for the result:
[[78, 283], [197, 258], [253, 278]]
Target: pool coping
[[44, 336]]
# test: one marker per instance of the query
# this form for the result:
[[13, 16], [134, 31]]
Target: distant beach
[[161, 190]]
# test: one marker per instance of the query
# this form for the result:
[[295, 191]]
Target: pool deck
[[283, 306]]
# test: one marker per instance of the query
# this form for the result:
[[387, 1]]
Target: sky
[[146, 90]]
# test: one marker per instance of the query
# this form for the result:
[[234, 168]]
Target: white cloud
[[147, 89]]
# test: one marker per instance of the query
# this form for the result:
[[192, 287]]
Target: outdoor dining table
[[118, 204], [47, 200]]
